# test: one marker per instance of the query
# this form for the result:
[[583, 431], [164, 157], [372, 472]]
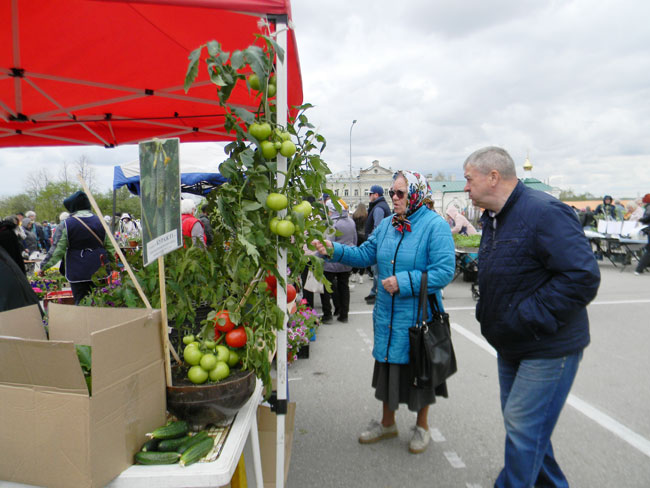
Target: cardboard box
[[267, 429], [52, 433]]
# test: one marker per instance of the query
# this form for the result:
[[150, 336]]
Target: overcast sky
[[566, 83]]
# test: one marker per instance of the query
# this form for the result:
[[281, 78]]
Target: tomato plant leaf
[[192, 69]]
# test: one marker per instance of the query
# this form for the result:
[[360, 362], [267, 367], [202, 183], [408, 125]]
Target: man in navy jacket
[[537, 273]]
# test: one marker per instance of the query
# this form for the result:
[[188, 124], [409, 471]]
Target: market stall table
[[213, 474], [618, 250]]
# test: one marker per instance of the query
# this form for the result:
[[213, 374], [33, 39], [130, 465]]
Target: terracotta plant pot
[[200, 405]]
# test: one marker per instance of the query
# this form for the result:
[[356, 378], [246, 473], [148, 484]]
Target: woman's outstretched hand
[[322, 249]]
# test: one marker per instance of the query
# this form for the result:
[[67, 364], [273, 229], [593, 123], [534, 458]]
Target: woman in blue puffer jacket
[[411, 241]]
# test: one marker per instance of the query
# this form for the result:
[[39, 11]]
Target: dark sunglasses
[[400, 193]]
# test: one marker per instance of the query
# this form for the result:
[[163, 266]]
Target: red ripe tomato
[[222, 322], [236, 338], [271, 284], [291, 293]]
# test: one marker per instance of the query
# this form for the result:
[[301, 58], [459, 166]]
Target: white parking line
[[635, 440], [454, 459], [436, 435]]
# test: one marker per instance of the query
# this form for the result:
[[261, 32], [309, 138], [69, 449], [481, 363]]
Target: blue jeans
[[533, 392]]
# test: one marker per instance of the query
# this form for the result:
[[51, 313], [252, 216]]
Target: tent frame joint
[[278, 406]]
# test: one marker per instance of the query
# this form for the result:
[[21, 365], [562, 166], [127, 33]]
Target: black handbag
[[431, 355]]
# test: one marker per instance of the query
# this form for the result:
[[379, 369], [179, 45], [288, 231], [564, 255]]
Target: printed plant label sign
[[160, 183]]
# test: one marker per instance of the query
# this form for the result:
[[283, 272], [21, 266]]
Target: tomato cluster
[[208, 360]]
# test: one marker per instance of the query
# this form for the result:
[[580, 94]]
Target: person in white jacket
[[459, 223]]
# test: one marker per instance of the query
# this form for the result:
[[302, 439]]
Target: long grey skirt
[[392, 384]]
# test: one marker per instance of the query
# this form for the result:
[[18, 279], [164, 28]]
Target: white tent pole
[[281, 357]]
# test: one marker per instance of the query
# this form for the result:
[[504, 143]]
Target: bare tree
[[36, 181], [65, 175], [86, 171]]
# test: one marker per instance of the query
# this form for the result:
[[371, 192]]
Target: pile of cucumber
[[172, 444]]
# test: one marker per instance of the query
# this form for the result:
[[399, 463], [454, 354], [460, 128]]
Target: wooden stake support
[[161, 273]]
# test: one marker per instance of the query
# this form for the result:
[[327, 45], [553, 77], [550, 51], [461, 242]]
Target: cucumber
[[150, 445], [171, 430], [172, 444], [189, 442], [197, 451], [156, 457]]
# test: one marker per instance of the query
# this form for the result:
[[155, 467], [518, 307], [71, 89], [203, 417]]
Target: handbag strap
[[421, 317], [101, 243]]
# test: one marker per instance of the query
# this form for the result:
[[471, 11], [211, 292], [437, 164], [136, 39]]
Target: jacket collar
[[514, 196]]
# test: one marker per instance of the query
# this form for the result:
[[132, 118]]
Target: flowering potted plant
[[301, 329]]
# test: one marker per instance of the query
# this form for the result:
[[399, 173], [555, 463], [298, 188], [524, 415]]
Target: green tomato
[[197, 375], [260, 131], [272, 90], [254, 82], [209, 344], [304, 208], [277, 201], [220, 371], [282, 135], [223, 353], [188, 339], [285, 228], [268, 150], [273, 225], [288, 149], [208, 361], [277, 145], [233, 359], [192, 355]]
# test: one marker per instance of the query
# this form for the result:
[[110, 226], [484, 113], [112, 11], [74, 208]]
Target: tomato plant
[[265, 157], [236, 338]]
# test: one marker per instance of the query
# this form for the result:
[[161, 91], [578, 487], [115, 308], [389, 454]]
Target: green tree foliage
[[570, 196], [14, 204]]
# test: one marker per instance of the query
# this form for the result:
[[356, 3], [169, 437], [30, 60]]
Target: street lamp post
[[351, 126]]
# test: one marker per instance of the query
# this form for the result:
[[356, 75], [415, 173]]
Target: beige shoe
[[420, 440], [377, 432]]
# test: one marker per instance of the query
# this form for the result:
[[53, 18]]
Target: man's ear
[[495, 177]]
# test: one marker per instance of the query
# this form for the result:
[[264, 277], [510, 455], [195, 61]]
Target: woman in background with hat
[[83, 243], [644, 262]]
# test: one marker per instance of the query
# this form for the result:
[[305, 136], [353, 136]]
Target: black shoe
[[370, 299], [326, 319], [342, 319]]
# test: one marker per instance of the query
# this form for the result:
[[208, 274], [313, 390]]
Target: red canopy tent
[[100, 72], [111, 72]]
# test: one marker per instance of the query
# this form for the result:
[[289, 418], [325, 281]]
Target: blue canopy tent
[[195, 179]]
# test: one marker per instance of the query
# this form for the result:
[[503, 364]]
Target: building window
[[366, 192], [356, 193], [336, 192], [345, 193]]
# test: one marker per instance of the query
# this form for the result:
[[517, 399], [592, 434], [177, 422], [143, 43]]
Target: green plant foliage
[[230, 274]]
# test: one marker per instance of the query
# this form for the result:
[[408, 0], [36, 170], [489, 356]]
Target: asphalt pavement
[[602, 438]]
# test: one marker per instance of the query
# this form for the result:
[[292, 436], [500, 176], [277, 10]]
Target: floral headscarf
[[418, 191]]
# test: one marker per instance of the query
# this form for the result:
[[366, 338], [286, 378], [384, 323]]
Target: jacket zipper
[[392, 303]]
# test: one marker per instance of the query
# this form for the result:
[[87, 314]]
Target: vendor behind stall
[[84, 244]]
